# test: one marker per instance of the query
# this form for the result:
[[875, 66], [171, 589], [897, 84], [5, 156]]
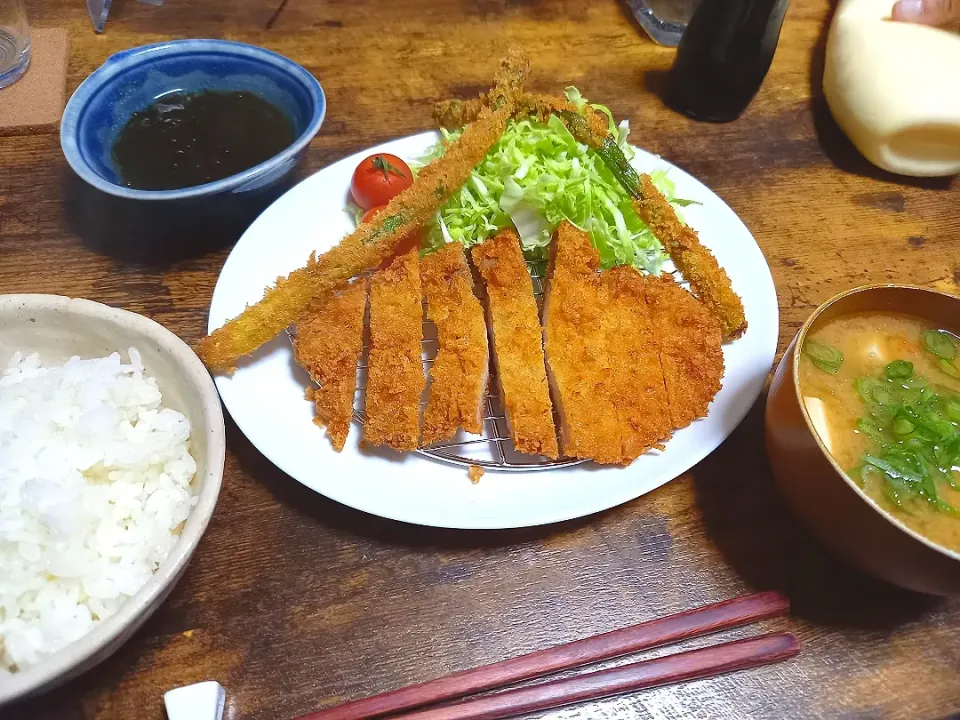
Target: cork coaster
[[34, 103]]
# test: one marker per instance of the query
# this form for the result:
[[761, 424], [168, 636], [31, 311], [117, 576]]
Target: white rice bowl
[[95, 485]]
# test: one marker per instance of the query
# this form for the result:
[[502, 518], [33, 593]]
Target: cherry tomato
[[371, 213], [378, 179], [411, 241]]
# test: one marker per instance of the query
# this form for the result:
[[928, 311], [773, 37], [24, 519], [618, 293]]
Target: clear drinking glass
[[664, 20], [99, 9], [14, 41]]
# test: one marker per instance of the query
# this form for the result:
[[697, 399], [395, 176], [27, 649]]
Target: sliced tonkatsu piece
[[690, 349], [579, 349], [395, 379], [328, 345], [459, 373], [639, 392], [514, 327]]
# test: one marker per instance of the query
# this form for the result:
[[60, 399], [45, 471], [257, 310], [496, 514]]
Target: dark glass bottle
[[724, 55]]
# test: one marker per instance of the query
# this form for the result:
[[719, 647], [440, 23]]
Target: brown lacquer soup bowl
[[832, 504]]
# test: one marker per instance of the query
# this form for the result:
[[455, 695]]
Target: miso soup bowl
[[823, 496]]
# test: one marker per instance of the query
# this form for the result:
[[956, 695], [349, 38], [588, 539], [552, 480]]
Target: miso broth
[[883, 391]]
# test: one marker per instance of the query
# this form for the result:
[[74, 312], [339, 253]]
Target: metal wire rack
[[491, 450]]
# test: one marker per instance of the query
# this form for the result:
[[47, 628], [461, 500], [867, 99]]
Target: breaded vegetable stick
[[709, 282], [507, 84], [452, 114], [363, 249]]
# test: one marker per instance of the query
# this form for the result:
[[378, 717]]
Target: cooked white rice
[[95, 483]]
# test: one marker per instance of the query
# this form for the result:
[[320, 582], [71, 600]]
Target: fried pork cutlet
[[579, 349], [709, 282], [328, 345], [395, 379], [640, 395], [517, 342], [459, 373], [690, 349]]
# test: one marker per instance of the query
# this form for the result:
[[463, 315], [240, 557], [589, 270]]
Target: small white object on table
[[200, 701]]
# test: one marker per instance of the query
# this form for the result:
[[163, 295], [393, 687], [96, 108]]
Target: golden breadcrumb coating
[[579, 350], [517, 342], [395, 379], [638, 386], [328, 345], [458, 376], [690, 349]]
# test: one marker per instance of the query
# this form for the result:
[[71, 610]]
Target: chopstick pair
[[690, 665]]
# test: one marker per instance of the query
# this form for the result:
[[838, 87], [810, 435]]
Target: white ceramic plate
[[266, 394]]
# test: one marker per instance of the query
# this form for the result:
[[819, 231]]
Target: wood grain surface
[[294, 602]]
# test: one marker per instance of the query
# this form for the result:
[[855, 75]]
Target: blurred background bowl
[[59, 327], [834, 507], [165, 225]]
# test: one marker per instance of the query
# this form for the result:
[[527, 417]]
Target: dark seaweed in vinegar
[[187, 139]]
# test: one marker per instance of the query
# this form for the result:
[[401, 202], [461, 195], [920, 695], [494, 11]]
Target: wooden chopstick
[[653, 633], [690, 665]]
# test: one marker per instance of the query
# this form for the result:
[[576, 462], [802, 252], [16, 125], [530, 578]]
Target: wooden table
[[293, 602]]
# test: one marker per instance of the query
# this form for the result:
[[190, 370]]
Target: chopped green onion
[[952, 410], [939, 343], [882, 396], [902, 426], [865, 386], [949, 368], [898, 369], [914, 431], [826, 357]]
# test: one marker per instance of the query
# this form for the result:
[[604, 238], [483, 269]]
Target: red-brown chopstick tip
[[652, 633], [681, 667]]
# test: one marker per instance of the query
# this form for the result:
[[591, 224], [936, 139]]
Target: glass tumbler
[[14, 41], [664, 20]]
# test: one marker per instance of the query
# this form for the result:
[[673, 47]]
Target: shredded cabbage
[[538, 175]]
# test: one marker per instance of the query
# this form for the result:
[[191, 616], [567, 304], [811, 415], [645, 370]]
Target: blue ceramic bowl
[[133, 79]]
